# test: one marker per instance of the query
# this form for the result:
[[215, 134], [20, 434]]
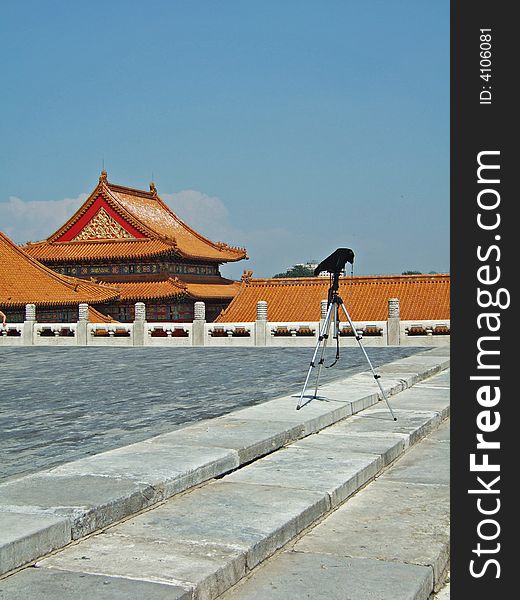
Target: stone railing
[[261, 332]]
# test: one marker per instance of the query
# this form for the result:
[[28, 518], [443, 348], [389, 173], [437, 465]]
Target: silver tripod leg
[[376, 376], [320, 365], [323, 336], [335, 329]]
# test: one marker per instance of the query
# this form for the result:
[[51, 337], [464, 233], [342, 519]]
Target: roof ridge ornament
[[246, 276], [103, 177], [153, 189]]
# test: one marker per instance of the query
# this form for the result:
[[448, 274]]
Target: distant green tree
[[411, 273], [296, 271]]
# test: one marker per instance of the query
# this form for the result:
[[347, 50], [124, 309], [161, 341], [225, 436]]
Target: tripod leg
[[324, 333], [376, 376], [320, 365], [334, 319]]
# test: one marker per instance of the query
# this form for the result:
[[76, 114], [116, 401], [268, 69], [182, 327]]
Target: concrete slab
[[249, 439], [360, 394], [442, 433], [391, 521], [317, 414], [334, 439], [89, 502], [294, 576], [91, 493], [257, 519], [365, 382], [424, 363], [209, 568], [308, 468], [159, 463], [360, 400], [52, 584], [441, 379], [411, 425], [422, 397], [429, 462], [439, 351], [23, 537], [202, 539]]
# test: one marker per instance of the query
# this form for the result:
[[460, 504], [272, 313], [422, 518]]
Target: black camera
[[335, 263]]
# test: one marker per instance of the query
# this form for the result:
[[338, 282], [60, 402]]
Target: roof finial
[[103, 176], [153, 189], [247, 276]]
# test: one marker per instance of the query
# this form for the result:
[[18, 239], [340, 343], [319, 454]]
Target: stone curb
[[43, 512]]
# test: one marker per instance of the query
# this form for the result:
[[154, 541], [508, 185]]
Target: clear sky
[[290, 127]]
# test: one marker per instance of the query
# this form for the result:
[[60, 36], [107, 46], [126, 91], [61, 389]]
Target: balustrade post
[[393, 324], [261, 324], [82, 325], [29, 325], [324, 305], [198, 334], [138, 328]]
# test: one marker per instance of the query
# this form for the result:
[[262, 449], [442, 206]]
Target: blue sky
[[290, 127]]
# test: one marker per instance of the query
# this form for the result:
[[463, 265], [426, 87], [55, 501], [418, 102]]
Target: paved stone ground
[[61, 404]]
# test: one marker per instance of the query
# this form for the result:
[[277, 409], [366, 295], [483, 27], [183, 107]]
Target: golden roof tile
[[94, 316], [422, 297], [23, 280], [172, 287], [213, 291], [147, 290]]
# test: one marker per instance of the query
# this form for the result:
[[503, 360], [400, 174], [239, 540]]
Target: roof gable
[[129, 215], [100, 222]]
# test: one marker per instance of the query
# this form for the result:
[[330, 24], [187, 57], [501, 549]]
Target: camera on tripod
[[335, 263]]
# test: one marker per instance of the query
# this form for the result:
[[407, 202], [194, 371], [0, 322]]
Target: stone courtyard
[[62, 404]]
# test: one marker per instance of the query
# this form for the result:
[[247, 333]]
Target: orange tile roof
[[94, 316], [23, 280], [422, 297], [96, 250], [148, 290], [226, 291], [147, 215], [173, 287]]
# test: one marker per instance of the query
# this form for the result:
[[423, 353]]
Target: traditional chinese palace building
[[131, 240]]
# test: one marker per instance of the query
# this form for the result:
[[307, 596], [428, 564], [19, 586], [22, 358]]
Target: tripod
[[334, 303]]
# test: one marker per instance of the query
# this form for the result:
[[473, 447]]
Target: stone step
[[390, 540], [200, 543]]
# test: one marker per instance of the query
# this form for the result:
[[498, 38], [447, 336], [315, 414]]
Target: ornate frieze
[[103, 227], [139, 268]]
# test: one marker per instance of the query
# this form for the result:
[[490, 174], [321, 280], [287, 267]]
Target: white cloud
[[34, 220], [206, 214], [267, 248]]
